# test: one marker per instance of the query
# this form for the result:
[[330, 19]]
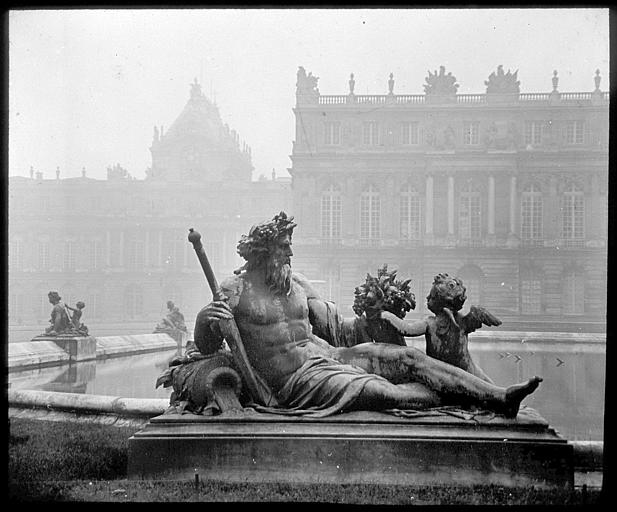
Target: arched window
[[133, 301], [472, 278], [531, 214], [331, 213], [370, 214], [573, 214], [410, 214], [469, 214], [531, 291], [573, 293]]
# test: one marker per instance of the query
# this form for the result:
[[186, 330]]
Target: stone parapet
[[35, 353], [107, 346]]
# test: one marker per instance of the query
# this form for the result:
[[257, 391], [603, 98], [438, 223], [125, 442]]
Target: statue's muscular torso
[[275, 329]]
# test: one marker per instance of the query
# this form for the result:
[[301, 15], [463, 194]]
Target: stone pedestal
[[79, 348], [354, 448]]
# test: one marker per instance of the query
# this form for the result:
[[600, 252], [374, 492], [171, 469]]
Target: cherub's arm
[[417, 328]]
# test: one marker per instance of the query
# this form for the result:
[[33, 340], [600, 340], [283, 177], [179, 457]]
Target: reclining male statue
[[301, 348]]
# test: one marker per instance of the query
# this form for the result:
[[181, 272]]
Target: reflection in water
[[131, 376], [571, 397]]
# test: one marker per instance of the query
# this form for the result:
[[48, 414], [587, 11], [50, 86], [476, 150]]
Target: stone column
[[429, 209], [121, 250], [160, 249], [450, 206], [108, 248], [491, 211], [513, 239], [147, 250]]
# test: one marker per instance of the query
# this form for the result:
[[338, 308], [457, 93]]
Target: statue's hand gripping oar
[[258, 389]]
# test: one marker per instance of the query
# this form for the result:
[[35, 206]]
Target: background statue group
[[173, 320], [313, 362], [64, 318]]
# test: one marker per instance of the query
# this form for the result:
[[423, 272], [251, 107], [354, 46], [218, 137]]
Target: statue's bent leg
[[453, 385]]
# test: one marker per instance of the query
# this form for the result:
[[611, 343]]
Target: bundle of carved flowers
[[384, 293]]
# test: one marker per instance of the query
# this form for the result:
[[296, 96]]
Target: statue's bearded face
[[278, 266]]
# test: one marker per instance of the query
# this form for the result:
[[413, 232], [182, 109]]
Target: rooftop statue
[[440, 84], [62, 322], [502, 83], [306, 85], [286, 343]]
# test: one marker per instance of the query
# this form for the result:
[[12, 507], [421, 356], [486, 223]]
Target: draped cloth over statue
[[320, 387]]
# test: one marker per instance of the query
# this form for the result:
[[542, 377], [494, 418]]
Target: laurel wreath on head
[[262, 236], [384, 293]]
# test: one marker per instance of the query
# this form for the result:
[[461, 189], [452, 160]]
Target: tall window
[[531, 295], [573, 213], [15, 254], [133, 301], [469, 214], [534, 132], [69, 255], [573, 296], [333, 133], [370, 133], [44, 259], [135, 254], [410, 214], [574, 132], [531, 214], [409, 133], [331, 213], [92, 302], [94, 254], [370, 213], [471, 133]]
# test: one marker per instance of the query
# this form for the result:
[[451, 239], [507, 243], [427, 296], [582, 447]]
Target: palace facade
[[507, 190], [120, 244]]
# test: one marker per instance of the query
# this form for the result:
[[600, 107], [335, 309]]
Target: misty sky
[[86, 87]]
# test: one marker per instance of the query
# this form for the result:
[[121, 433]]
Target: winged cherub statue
[[446, 332]]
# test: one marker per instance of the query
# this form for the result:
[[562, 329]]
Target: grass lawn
[[68, 461]]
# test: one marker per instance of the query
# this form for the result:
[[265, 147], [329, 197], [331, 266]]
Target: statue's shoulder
[[306, 285], [232, 287]]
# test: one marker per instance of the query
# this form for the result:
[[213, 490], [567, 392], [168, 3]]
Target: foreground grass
[[57, 461]]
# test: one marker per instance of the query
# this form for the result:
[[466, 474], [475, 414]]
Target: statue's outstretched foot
[[516, 393]]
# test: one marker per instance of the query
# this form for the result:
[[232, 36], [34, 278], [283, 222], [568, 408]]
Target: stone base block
[[353, 448], [79, 348]]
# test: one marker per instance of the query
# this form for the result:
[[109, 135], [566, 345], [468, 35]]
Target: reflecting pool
[[571, 397]]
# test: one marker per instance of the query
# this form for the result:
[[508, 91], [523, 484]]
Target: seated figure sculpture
[[173, 320], [288, 334], [446, 332], [60, 320]]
